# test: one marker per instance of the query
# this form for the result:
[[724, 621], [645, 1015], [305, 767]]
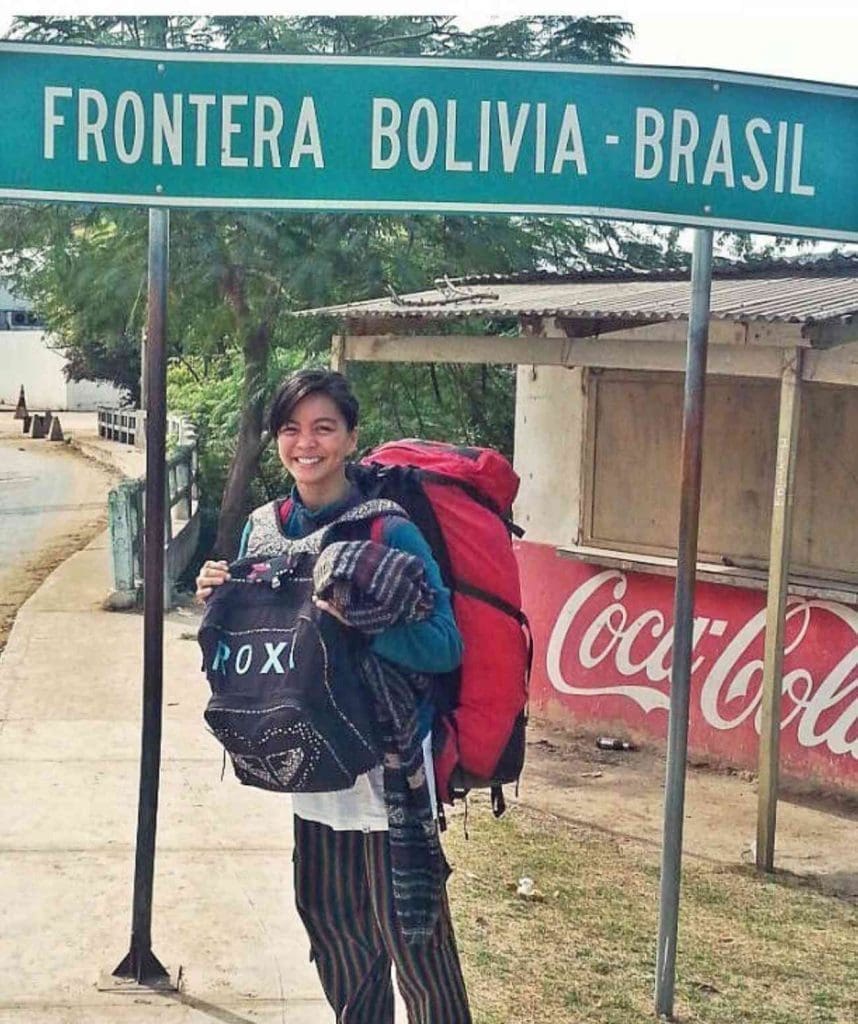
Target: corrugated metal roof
[[782, 291]]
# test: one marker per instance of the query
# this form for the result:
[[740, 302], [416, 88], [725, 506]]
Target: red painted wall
[[603, 641]]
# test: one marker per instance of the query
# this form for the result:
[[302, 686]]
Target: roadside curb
[[98, 453]]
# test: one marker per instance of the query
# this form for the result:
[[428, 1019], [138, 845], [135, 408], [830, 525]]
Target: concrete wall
[[180, 552], [549, 426], [25, 358]]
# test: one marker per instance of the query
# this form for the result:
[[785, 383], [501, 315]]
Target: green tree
[[235, 276]]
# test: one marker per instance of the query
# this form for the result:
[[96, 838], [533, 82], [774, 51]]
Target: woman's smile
[[314, 444]]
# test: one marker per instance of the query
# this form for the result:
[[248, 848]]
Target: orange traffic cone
[[21, 407]]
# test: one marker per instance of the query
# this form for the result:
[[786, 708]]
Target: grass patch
[[751, 949]]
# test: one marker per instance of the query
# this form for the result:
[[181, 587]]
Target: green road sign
[[705, 148]]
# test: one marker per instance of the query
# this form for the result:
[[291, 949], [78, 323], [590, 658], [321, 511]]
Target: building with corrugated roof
[[599, 392]]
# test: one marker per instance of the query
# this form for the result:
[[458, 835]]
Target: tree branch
[[189, 368]]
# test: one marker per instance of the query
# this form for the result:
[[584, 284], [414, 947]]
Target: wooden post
[[338, 353], [779, 549]]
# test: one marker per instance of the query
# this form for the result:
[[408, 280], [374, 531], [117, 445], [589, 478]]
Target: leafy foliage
[[235, 276], [554, 37]]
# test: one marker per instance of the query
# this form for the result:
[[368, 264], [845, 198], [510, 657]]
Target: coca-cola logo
[[598, 647]]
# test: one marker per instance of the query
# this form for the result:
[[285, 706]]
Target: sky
[[814, 39]]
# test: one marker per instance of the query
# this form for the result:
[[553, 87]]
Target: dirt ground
[[622, 793]]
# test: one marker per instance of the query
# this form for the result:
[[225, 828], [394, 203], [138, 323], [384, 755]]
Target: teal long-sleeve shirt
[[431, 645]]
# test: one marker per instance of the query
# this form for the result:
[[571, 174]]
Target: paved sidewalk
[[70, 686]]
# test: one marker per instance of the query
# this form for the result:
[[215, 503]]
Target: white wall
[[86, 395], [25, 358], [549, 424]]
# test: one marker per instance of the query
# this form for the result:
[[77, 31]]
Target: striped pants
[[344, 896]]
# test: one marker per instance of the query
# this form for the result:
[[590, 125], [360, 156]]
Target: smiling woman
[[369, 871]]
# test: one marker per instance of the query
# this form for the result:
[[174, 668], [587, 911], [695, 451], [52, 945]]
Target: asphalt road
[[36, 491]]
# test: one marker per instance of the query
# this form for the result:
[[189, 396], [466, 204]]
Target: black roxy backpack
[[287, 700]]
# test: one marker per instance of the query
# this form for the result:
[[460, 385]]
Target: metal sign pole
[[686, 566], [141, 964]]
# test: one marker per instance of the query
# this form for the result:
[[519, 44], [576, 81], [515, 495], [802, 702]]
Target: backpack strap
[[463, 587], [267, 538], [376, 529], [375, 510]]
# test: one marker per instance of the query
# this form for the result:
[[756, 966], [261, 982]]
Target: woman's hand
[[212, 575], [331, 609]]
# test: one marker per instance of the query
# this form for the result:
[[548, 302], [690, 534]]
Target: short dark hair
[[311, 382]]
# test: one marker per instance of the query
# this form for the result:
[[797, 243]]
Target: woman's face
[[313, 445]]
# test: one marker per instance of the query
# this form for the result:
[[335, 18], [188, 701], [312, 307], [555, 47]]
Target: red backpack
[[461, 498]]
